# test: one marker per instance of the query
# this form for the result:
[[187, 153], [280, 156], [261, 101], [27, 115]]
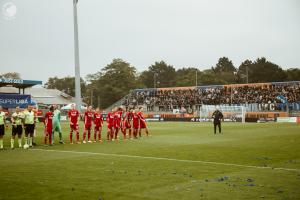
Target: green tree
[[187, 76], [242, 71], [224, 65], [293, 74], [160, 74], [12, 75], [264, 71], [207, 77], [66, 85], [113, 82], [225, 72]]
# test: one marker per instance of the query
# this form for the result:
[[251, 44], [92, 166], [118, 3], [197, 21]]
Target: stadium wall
[[249, 117]]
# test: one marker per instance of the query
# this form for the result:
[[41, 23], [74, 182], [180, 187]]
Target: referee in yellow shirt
[[29, 125]]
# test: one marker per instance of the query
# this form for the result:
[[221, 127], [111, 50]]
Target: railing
[[294, 113], [253, 107], [118, 103]]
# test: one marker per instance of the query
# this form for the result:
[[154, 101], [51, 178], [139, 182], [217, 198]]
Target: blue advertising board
[[14, 100]]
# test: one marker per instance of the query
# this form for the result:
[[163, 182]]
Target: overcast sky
[[38, 41]]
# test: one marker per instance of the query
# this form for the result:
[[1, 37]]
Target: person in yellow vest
[[35, 110], [2, 126], [17, 129], [29, 125]]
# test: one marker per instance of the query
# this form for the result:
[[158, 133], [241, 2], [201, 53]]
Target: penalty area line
[[169, 159]]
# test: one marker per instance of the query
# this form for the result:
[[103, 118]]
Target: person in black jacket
[[217, 116]]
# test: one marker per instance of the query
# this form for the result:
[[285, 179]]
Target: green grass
[[59, 174]]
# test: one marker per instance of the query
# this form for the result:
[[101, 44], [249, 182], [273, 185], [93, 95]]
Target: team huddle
[[117, 121]]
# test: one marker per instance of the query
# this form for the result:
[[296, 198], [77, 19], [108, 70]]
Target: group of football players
[[118, 120], [130, 123]]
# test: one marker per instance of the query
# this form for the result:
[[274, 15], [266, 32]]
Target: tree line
[[115, 80]]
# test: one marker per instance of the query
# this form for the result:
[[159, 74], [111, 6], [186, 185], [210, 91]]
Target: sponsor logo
[[9, 80]]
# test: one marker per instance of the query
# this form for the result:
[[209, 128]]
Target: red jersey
[[48, 121], [141, 120], [128, 116], [118, 117], [73, 115], [88, 117], [141, 117], [127, 120], [98, 119], [110, 119], [135, 120]]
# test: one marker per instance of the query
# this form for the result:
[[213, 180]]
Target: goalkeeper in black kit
[[217, 116]]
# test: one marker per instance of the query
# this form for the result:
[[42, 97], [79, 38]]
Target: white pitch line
[[170, 159]]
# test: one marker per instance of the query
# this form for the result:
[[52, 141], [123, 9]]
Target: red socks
[[130, 133], [89, 135], [84, 135], [77, 136], [116, 133], [71, 136]]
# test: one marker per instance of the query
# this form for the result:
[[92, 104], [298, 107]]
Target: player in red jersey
[[73, 115], [98, 121], [48, 125], [118, 120], [135, 123], [110, 125], [143, 124], [127, 123], [88, 119]]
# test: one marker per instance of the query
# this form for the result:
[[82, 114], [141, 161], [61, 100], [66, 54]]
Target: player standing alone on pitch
[[217, 116], [2, 126], [88, 119], [17, 129], [98, 122], [48, 125], [56, 125], [73, 115]]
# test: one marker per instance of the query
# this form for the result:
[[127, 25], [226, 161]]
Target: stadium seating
[[255, 97]]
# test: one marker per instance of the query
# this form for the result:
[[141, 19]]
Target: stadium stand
[[276, 96]]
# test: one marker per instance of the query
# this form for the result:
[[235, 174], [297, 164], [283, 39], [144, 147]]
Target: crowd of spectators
[[261, 94]]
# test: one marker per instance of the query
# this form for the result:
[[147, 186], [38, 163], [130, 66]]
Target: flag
[[281, 98]]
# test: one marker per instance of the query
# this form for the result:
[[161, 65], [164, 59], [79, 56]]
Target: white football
[[26, 146]]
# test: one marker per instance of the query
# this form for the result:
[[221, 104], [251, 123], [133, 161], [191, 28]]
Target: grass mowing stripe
[[169, 159]]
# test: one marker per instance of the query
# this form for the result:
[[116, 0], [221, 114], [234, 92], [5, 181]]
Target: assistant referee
[[29, 123]]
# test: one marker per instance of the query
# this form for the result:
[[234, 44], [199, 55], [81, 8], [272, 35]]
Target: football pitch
[[179, 161]]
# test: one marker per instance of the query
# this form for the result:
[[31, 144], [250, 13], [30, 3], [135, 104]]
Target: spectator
[[261, 96]]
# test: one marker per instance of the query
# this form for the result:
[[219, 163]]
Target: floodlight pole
[[196, 77], [76, 54], [154, 79], [247, 75]]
